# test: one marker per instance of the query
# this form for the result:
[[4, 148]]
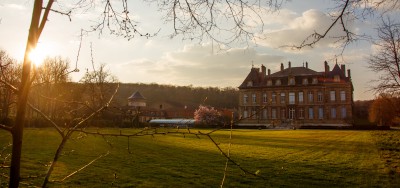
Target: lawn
[[283, 158]]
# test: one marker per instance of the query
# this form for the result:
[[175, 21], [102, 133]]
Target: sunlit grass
[[305, 158]]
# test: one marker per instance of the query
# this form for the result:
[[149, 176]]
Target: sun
[[37, 55]]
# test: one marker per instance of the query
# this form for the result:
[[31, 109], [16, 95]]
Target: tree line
[[55, 95]]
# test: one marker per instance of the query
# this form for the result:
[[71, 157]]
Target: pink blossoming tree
[[207, 115]]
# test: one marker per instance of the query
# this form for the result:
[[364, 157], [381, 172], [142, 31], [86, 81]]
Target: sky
[[165, 60]]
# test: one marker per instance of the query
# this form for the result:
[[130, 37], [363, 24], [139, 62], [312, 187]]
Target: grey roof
[[257, 78], [173, 121], [295, 71], [136, 95]]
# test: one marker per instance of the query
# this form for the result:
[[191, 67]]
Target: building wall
[[332, 109]]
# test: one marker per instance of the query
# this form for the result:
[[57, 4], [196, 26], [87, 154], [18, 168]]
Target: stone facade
[[296, 96]]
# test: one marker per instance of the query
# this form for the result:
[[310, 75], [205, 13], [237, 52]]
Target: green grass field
[[285, 158]]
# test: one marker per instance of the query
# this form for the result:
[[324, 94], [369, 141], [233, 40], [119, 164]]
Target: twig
[[82, 168], [229, 151], [10, 86], [231, 160]]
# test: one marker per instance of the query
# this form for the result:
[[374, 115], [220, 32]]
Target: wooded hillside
[[180, 96]]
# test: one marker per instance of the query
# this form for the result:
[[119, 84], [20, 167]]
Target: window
[[265, 98], [310, 97], [292, 113], [320, 98], [283, 98], [333, 95], [301, 113], [278, 82], [291, 98], [269, 83], [344, 112], [310, 113], [283, 114], [315, 80], [301, 98], [333, 113], [274, 97], [254, 98], [305, 81], [245, 99], [342, 95], [250, 83], [273, 113], [291, 81], [336, 78], [253, 114], [320, 113], [265, 114], [245, 115]]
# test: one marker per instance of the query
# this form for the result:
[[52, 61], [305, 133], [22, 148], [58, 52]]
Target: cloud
[[15, 6], [297, 29], [197, 65]]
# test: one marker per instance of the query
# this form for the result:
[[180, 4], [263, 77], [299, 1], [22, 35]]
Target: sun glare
[[37, 55]]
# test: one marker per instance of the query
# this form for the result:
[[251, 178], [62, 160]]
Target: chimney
[[306, 64], [348, 73], [263, 71], [269, 72], [282, 67], [343, 68], [290, 64], [326, 67]]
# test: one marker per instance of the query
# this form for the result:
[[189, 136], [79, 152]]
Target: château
[[296, 96]]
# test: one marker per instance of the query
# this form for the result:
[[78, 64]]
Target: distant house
[[296, 96], [141, 112]]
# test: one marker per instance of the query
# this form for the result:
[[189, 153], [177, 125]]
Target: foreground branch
[[82, 168], [6, 128]]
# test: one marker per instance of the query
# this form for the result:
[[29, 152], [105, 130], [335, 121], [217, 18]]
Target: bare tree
[[98, 84], [10, 73], [386, 60], [53, 70]]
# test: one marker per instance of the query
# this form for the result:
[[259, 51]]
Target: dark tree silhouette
[[386, 60]]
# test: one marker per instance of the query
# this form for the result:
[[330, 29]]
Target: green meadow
[[282, 158]]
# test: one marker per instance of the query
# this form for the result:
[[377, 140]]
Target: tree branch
[[316, 37], [47, 118], [85, 166], [228, 154], [44, 17], [6, 128]]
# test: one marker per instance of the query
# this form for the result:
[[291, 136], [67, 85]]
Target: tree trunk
[[17, 131]]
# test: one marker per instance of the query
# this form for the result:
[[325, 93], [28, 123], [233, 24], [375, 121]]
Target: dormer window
[[278, 82], [305, 81], [291, 81], [336, 78], [315, 80], [269, 83], [250, 83]]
